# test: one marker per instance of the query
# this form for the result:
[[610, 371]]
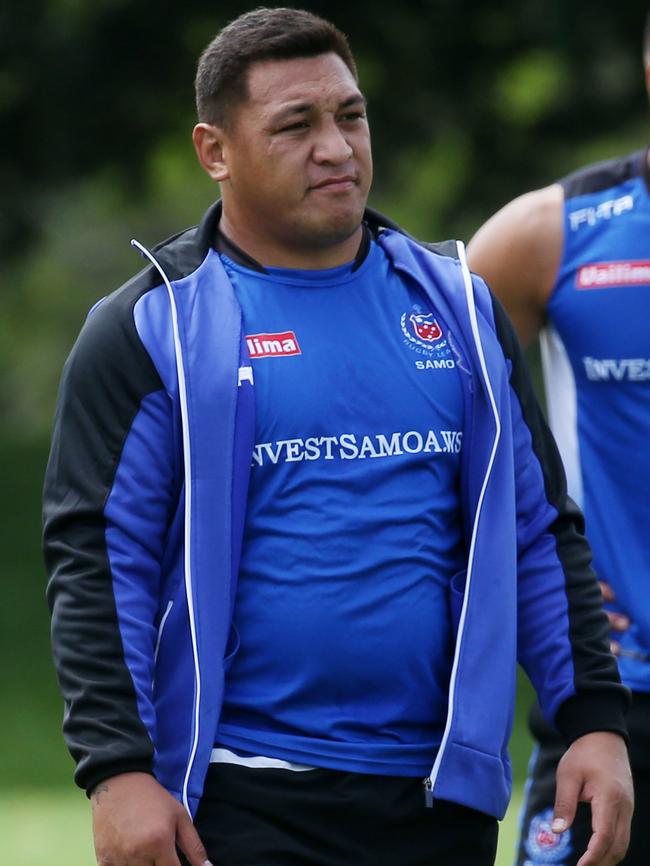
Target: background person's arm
[[518, 252]]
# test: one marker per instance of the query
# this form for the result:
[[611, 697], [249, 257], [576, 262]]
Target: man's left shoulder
[[448, 248], [378, 222]]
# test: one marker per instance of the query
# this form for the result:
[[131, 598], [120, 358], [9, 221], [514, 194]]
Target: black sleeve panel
[[600, 700], [606, 174], [104, 381]]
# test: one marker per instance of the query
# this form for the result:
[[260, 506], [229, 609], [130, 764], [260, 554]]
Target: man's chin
[[334, 228]]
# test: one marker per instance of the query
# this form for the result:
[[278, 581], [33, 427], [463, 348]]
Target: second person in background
[[571, 262]]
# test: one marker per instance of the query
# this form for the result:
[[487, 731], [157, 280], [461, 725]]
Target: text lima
[[272, 345]]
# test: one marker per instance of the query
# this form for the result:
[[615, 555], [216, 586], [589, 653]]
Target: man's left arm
[[563, 632]]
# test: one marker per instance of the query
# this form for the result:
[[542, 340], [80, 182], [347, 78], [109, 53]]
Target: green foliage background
[[471, 103]]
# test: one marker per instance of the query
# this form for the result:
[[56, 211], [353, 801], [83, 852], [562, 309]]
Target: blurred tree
[[86, 86], [470, 103]]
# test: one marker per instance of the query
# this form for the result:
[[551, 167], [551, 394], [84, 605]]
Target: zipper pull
[[428, 793]]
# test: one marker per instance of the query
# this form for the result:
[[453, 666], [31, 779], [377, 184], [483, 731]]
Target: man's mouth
[[336, 183]]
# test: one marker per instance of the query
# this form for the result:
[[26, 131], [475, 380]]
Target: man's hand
[[595, 769], [136, 822]]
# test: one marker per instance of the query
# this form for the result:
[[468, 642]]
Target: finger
[[567, 792], [607, 591], [615, 647], [618, 621], [603, 838], [189, 841], [597, 850], [611, 830]]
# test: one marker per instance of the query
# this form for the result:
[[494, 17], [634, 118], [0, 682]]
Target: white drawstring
[[180, 371]]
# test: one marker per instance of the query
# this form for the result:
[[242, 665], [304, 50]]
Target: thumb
[[189, 841], [567, 793]]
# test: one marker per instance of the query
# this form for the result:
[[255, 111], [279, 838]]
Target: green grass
[[52, 828], [508, 830], [45, 828]]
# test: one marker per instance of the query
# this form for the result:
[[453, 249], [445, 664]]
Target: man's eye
[[353, 115], [293, 127]]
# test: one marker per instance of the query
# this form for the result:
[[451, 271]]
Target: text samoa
[[348, 446], [436, 364]]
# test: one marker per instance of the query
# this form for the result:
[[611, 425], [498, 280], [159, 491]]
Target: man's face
[[297, 154]]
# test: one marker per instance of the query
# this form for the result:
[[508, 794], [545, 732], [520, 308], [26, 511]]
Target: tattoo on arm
[[102, 788]]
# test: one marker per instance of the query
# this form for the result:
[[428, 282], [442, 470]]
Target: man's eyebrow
[[291, 110], [305, 107], [356, 99]]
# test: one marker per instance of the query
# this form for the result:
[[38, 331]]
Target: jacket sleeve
[[563, 632], [110, 490]]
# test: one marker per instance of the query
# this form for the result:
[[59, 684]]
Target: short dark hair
[[646, 41], [263, 34]]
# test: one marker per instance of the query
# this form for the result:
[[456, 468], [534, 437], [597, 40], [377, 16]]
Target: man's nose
[[331, 145]]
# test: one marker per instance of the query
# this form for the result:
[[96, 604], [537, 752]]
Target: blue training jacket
[[144, 508]]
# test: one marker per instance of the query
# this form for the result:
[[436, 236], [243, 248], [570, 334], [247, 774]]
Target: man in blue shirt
[[302, 514], [571, 262]]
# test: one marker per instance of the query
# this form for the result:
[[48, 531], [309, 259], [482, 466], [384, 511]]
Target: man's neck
[[268, 253], [224, 245]]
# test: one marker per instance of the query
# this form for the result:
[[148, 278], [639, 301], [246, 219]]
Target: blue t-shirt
[[597, 370], [353, 525]]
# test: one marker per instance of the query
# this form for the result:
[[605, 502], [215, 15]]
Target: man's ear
[[209, 145]]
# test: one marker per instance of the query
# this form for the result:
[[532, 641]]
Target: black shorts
[[537, 846], [277, 817]]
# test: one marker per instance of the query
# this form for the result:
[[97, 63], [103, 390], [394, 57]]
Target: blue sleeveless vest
[[596, 360]]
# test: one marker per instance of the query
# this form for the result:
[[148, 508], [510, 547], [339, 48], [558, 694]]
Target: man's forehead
[[276, 84]]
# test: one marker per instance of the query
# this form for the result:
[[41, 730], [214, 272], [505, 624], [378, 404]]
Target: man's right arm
[[112, 485], [518, 252], [105, 509]]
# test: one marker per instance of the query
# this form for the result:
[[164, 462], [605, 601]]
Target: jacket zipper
[[431, 779], [180, 372]]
